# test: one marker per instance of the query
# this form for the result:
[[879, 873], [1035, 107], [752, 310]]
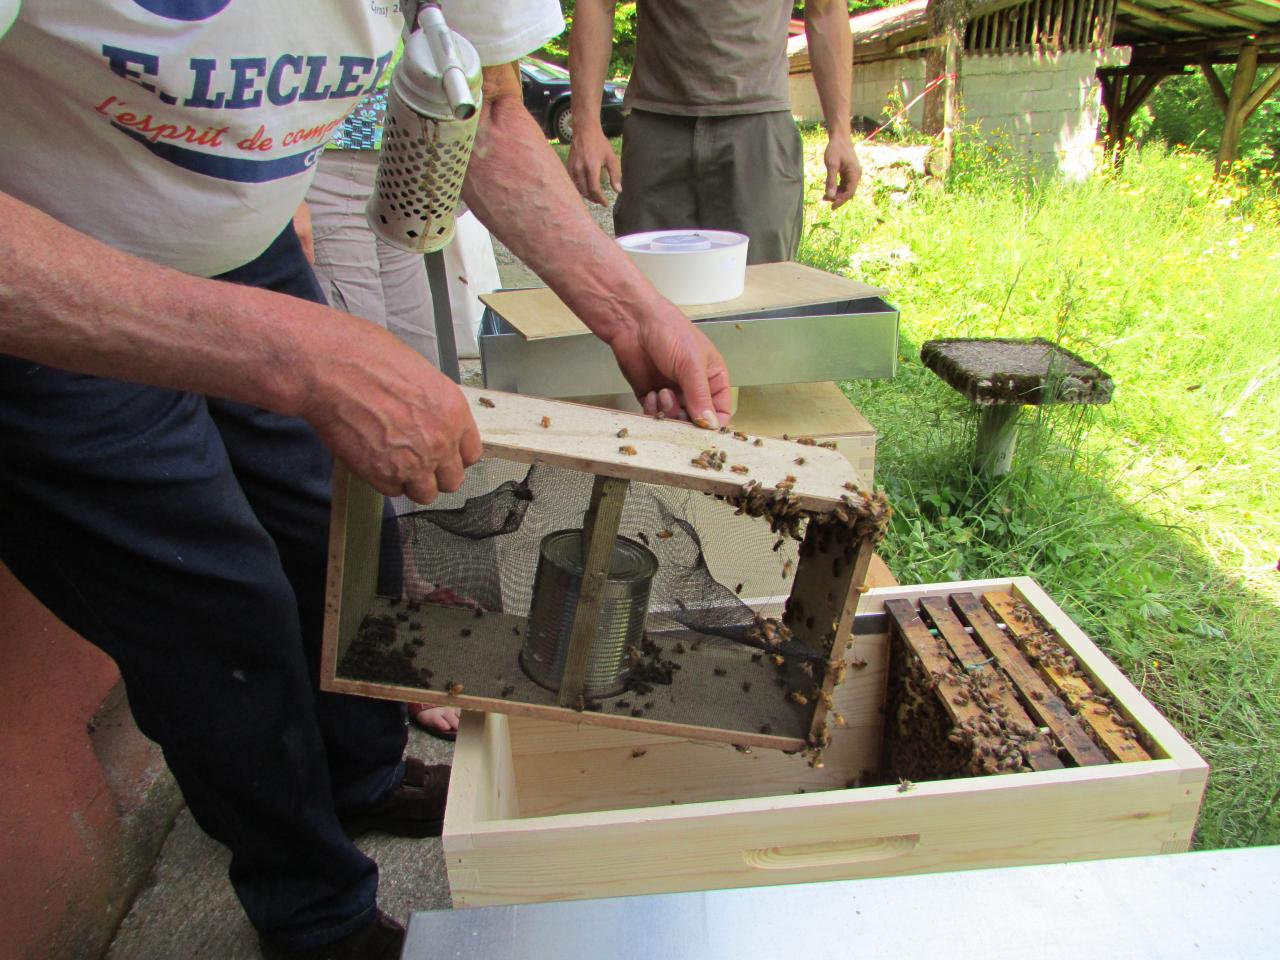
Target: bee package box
[[551, 811], [565, 632]]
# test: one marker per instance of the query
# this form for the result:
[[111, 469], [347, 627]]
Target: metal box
[[776, 333]]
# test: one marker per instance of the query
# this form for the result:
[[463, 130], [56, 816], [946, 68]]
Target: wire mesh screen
[[456, 584]]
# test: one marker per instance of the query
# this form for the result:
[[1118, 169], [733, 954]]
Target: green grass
[[1154, 521]]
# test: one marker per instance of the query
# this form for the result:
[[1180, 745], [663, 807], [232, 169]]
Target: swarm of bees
[[710, 459]]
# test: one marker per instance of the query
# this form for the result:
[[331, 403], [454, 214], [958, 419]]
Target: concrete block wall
[[1047, 107]]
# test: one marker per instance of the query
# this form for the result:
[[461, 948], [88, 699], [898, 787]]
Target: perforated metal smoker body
[[419, 177]]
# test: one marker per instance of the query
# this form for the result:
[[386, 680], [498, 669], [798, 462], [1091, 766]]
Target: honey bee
[[630, 451], [453, 688], [665, 534], [546, 422], [623, 432], [702, 422], [486, 402], [795, 696], [904, 785], [638, 753]]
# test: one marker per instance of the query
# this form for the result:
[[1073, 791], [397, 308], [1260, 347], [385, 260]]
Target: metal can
[[623, 608]]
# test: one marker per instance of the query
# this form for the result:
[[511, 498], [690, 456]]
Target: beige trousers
[[370, 278]]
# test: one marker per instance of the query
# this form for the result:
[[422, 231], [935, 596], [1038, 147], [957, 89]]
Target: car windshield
[[545, 71]]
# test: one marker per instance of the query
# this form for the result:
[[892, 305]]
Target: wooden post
[[946, 25], [599, 534], [1233, 124]]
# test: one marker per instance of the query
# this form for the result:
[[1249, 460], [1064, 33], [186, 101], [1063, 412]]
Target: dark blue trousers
[[186, 537]]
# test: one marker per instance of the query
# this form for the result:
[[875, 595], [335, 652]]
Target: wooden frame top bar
[[587, 439]]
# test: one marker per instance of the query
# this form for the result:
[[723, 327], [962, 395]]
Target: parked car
[[546, 96]]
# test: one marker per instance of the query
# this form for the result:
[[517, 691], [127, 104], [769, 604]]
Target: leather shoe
[[413, 809], [380, 939]]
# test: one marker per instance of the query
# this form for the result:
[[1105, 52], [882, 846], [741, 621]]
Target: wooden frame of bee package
[[772, 690], [933, 770]]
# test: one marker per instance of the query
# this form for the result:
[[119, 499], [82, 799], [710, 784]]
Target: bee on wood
[[702, 422], [766, 729], [757, 442], [486, 402], [904, 785], [623, 432], [737, 326], [799, 461], [837, 718], [665, 534], [739, 435], [795, 696], [507, 691], [452, 688], [724, 429], [786, 569], [720, 671], [659, 415], [742, 748], [739, 468], [546, 422], [637, 753], [630, 451]]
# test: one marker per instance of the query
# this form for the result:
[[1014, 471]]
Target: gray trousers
[[742, 173]]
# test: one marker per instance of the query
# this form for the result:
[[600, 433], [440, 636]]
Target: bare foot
[[440, 721]]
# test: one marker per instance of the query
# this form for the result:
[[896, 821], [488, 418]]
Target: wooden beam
[[1107, 729], [1134, 98], [1219, 13], [1264, 90], [1159, 16], [599, 535], [1233, 124], [1214, 81], [1037, 749]]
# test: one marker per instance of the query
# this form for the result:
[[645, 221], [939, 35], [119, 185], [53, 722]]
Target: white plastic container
[[691, 266]]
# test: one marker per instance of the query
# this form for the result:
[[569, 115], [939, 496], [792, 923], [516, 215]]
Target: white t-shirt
[[185, 131]]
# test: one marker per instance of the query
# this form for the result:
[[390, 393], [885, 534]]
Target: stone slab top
[[996, 370]]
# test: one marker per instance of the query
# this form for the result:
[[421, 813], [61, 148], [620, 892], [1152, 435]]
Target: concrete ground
[[188, 910]]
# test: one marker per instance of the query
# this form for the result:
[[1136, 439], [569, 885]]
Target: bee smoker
[[433, 106]]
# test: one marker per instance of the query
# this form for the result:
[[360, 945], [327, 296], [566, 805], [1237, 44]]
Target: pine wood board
[[1042, 700], [934, 655], [799, 410], [1109, 731], [538, 314], [586, 438], [1040, 755]]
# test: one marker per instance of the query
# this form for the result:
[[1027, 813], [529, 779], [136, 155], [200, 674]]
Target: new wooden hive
[[549, 811]]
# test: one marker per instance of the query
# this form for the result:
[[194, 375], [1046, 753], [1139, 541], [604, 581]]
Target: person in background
[[709, 140], [173, 392]]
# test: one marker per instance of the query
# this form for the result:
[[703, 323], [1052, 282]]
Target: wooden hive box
[[386, 641], [552, 811]]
